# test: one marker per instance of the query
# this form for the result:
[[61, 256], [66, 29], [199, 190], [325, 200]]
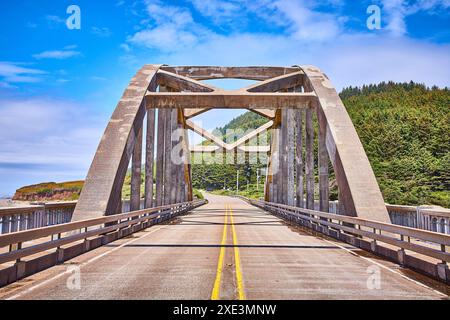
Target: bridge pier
[[160, 157], [300, 202], [167, 153], [309, 160], [324, 189], [136, 164], [149, 158]]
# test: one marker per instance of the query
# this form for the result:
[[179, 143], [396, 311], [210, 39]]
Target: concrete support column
[[283, 158], [268, 187], [168, 179], [175, 166], [187, 167], [275, 162], [160, 157], [340, 206], [136, 163], [181, 192], [267, 183], [299, 159], [309, 160], [324, 189], [290, 146], [149, 158]]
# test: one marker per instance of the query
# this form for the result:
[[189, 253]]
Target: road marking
[[386, 268], [215, 295], [237, 259], [18, 295]]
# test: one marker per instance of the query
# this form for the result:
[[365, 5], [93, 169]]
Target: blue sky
[[58, 87]]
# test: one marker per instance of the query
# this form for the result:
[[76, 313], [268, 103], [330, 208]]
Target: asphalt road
[[226, 249]]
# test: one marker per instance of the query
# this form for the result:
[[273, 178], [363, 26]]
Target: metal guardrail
[[367, 234], [40, 215], [92, 233], [421, 217], [13, 219], [64, 233]]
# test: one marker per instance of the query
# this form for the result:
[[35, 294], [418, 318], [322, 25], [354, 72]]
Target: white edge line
[[18, 295], [387, 268]]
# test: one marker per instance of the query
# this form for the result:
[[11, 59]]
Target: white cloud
[[57, 54], [311, 37], [396, 12], [166, 37], [306, 23], [172, 28], [54, 20], [11, 72], [169, 29], [70, 47], [217, 9], [348, 60], [43, 132], [97, 78], [6, 85], [103, 32], [162, 14], [125, 47]]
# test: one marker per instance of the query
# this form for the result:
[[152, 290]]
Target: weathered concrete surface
[[180, 260], [101, 193], [358, 188]]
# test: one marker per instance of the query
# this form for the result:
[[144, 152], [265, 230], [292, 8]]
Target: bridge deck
[[179, 260]]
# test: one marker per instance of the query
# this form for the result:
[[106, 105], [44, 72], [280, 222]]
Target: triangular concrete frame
[[187, 84]]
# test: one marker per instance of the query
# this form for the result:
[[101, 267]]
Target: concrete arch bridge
[[292, 244]]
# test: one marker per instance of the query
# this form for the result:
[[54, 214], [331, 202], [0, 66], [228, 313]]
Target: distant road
[[254, 255]]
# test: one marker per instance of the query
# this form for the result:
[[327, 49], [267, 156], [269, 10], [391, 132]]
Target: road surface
[[226, 249]]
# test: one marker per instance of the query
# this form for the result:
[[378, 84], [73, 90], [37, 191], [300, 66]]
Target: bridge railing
[[421, 217], [429, 250], [83, 235], [38, 215], [13, 219]]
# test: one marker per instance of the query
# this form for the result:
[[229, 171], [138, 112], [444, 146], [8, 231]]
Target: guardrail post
[[401, 254], [443, 272], [31, 220], [14, 223], [373, 245], [23, 222], [60, 255], [5, 224], [20, 269]]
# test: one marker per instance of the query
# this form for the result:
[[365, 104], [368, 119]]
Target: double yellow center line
[[237, 260], [216, 289]]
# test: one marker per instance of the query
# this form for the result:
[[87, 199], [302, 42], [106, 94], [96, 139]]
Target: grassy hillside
[[405, 129], [50, 191], [213, 176]]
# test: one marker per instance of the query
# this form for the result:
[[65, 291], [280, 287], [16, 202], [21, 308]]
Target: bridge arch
[[282, 94]]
